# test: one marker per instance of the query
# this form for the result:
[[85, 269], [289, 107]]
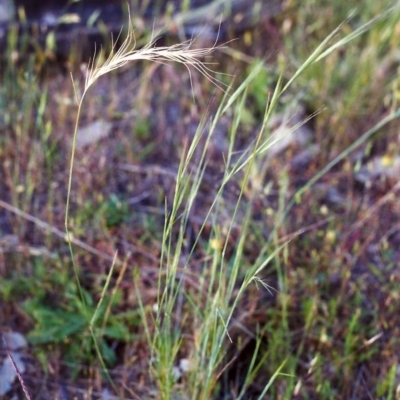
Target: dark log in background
[[213, 18]]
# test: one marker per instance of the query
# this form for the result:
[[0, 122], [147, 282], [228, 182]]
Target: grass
[[209, 268]]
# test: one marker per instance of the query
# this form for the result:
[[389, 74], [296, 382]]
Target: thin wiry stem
[[66, 222]]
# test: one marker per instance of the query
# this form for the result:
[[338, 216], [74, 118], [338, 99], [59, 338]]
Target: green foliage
[[387, 386], [218, 257], [259, 88], [114, 211], [67, 325], [60, 319], [332, 82]]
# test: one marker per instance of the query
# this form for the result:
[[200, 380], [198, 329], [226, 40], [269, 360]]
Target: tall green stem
[[68, 233]]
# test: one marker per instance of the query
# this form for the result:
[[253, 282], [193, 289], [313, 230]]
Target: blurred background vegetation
[[331, 316]]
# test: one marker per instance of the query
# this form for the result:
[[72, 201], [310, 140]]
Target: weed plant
[[210, 292], [221, 281]]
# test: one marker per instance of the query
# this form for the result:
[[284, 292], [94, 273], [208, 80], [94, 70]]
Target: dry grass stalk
[[18, 373]]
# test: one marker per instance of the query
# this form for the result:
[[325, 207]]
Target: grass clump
[[238, 286], [372, 56], [218, 277]]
